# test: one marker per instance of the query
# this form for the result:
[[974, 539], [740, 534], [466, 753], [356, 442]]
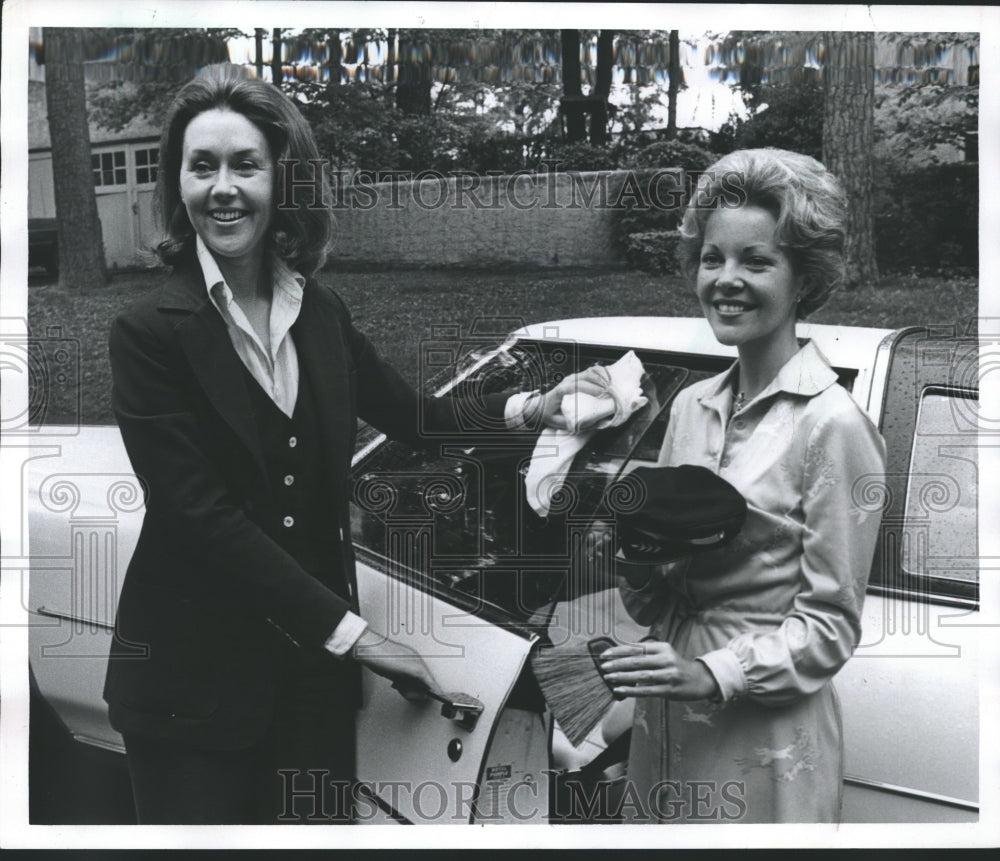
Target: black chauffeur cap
[[666, 512]]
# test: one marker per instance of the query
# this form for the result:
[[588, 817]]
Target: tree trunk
[[602, 87], [390, 63], [81, 248], [258, 39], [277, 74], [674, 70], [335, 52], [848, 122], [572, 101], [413, 91]]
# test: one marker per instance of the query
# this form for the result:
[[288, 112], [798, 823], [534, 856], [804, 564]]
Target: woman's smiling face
[[227, 182], [746, 283]]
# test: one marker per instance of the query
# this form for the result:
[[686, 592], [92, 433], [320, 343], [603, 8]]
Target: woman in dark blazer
[[237, 389]]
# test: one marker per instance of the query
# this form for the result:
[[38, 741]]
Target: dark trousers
[[302, 771]]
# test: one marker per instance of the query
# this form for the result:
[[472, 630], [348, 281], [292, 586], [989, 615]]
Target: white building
[[124, 168]]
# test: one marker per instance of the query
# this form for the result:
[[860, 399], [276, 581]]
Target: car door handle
[[459, 707]]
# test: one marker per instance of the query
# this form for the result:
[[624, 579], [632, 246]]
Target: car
[[43, 244], [452, 559]]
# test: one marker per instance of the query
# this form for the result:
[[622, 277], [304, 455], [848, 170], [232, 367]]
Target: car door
[[454, 562], [910, 694], [84, 507]]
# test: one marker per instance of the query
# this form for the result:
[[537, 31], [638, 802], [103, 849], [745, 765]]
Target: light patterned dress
[[774, 615]]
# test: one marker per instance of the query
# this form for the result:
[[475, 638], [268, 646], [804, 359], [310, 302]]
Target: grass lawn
[[399, 309]]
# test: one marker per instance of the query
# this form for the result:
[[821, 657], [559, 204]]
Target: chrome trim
[[363, 452], [485, 359], [883, 362], [114, 747], [367, 449], [879, 380], [923, 596], [426, 583], [77, 620], [920, 794]]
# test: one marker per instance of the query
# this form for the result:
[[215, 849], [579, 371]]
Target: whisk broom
[[566, 667], [573, 687]]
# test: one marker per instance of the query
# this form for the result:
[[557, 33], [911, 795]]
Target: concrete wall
[[523, 219]]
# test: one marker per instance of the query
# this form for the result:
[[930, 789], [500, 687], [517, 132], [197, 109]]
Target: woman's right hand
[[590, 381], [395, 661]]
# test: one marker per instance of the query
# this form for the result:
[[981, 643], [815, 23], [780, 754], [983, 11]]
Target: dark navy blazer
[[208, 589]]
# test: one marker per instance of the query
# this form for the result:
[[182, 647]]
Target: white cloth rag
[[585, 414]]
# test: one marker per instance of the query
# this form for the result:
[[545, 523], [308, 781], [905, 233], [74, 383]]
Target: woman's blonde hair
[[805, 199]]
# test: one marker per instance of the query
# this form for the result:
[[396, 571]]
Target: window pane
[[120, 176], [119, 158], [141, 157], [462, 518], [940, 529]]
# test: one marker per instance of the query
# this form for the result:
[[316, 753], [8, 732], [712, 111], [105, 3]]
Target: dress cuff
[[725, 667], [513, 412], [346, 634]]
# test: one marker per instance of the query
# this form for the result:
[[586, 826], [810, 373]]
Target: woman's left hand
[[654, 669]]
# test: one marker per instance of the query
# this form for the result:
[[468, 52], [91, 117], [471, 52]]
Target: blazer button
[[289, 480], [289, 521], [292, 442]]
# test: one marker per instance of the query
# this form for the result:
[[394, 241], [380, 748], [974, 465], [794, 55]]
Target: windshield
[[455, 520]]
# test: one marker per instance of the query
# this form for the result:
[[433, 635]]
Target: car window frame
[[919, 359]]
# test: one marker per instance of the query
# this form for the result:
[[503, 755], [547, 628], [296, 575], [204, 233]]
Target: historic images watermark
[[312, 796], [666, 189]]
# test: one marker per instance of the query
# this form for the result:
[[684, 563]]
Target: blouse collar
[[807, 373]]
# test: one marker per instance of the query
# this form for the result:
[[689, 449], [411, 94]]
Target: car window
[[457, 520], [940, 519]]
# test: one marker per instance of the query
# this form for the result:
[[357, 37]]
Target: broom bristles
[[574, 689]]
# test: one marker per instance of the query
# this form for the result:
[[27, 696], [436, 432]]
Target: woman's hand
[[396, 662], [587, 382], [654, 669]]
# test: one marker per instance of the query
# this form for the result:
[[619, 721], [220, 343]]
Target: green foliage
[[927, 218], [113, 105], [653, 251], [639, 228], [926, 123], [581, 156], [669, 154], [488, 151], [786, 116], [149, 67]]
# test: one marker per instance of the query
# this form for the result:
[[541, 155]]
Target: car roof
[[843, 346]]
